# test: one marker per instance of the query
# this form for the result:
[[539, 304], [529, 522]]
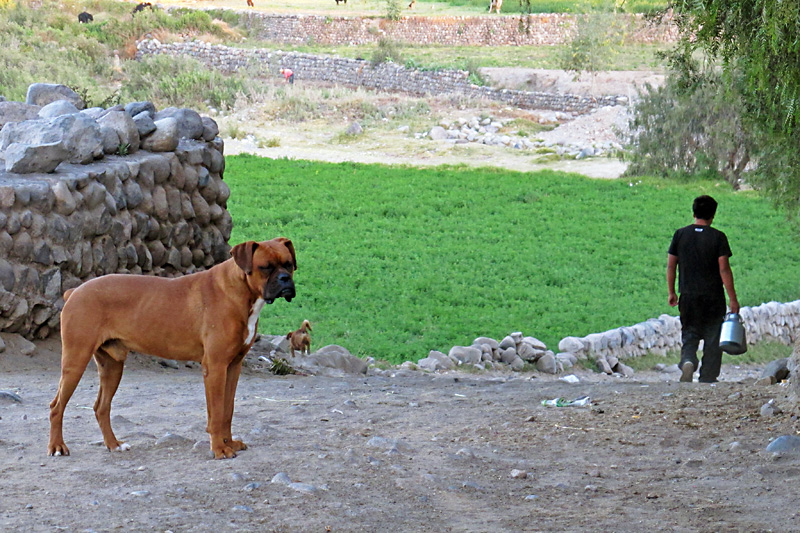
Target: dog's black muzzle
[[284, 289]]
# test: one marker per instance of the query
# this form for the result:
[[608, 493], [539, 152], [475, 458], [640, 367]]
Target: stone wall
[[159, 211], [493, 30], [360, 73], [769, 322]]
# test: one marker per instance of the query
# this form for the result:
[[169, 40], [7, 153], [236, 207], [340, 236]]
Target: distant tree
[[394, 9], [690, 127], [599, 33], [756, 44]]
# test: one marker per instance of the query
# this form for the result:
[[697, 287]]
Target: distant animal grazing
[[300, 340], [496, 5], [412, 4], [141, 7], [85, 18], [337, 1]]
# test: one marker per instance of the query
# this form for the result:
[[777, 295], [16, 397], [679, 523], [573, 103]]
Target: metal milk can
[[732, 338]]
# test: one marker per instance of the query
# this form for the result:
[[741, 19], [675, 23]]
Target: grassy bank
[[394, 262], [47, 44]]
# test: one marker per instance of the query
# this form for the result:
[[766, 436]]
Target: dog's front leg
[[234, 370], [215, 379]]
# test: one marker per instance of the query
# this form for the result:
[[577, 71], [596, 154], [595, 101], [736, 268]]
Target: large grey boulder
[[94, 112], [508, 355], [535, 343], [272, 343], [775, 372], [123, 124], [189, 122], [436, 361], [571, 344], [210, 129], [135, 108], [547, 363], [437, 133], [58, 108], [508, 342], [79, 134], [144, 123], [17, 112], [493, 344], [331, 360], [165, 138], [81, 137], [42, 94], [465, 354], [27, 159], [110, 140]]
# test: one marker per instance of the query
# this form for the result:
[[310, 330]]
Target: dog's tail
[[68, 293], [306, 326]]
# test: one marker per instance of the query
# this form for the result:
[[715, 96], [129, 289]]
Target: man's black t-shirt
[[698, 249]]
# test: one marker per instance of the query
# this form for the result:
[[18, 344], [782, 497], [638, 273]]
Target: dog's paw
[[57, 450], [224, 452], [237, 445], [122, 447]]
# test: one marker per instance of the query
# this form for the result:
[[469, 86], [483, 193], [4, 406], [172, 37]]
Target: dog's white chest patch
[[252, 320]]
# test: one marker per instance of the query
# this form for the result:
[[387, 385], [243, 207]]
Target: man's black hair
[[704, 207]]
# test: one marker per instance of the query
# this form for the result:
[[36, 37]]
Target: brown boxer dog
[[210, 317], [300, 340]]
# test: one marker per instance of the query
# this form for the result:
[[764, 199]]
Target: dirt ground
[[399, 451], [315, 139]]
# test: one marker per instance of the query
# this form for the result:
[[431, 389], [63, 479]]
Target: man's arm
[[672, 267], [727, 280]]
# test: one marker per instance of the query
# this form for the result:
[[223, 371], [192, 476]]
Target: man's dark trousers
[[701, 319]]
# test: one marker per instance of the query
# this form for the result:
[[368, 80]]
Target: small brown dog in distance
[[300, 340], [210, 317]]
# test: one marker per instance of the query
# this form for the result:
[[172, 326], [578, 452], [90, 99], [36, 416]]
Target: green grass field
[[395, 261]]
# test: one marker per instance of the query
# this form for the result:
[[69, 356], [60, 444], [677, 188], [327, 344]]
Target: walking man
[[701, 255]]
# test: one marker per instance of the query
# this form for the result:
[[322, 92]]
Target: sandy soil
[[317, 140], [626, 83], [402, 451]]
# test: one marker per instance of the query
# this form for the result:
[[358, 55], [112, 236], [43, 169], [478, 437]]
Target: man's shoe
[[687, 372]]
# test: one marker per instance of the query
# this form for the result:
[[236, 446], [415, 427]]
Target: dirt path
[[402, 451], [388, 153]]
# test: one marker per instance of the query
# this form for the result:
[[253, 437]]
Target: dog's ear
[[286, 242], [243, 255]]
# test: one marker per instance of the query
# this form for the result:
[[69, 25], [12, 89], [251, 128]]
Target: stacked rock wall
[[769, 322], [160, 211], [488, 30], [360, 73]]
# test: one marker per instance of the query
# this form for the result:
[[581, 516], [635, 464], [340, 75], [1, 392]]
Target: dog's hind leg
[[109, 366], [73, 364]]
